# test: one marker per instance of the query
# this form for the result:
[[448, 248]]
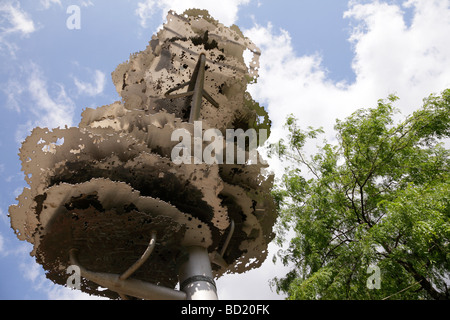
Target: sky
[[321, 60]]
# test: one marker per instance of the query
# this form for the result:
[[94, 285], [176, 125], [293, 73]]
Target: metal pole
[[129, 287], [195, 91], [195, 276], [198, 89]]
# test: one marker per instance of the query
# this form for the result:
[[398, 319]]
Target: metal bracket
[[130, 287], [142, 259], [217, 257], [195, 90]]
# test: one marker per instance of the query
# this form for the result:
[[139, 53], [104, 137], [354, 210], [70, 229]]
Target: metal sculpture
[[108, 198]]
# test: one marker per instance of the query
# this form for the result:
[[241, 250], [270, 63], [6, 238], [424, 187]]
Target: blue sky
[[321, 60]]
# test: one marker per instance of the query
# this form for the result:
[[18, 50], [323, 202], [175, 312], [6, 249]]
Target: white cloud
[[289, 83], [47, 3], [92, 89], [50, 111], [34, 273], [45, 107], [2, 243], [13, 90], [17, 20], [7, 249], [389, 57], [224, 11], [13, 22], [87, 3], [64, 293], [4, 218], [31, 270], [253, 284]]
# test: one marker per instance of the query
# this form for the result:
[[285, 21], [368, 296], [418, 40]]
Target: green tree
[[378, 199]]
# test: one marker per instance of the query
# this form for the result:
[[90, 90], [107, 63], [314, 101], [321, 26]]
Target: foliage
[[380, 196]]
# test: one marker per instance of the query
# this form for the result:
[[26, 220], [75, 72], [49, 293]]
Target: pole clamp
[[198, 278]]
